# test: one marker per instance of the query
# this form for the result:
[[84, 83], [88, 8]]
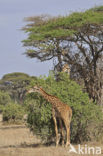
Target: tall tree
[[76, 39]]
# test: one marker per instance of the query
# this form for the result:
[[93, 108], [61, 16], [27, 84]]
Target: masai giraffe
[[66, 68], [59, 110]]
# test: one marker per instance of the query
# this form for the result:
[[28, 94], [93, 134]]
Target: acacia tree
[[76, 39], [15, 84]]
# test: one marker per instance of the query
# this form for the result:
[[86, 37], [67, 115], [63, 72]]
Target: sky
[[12, 14]]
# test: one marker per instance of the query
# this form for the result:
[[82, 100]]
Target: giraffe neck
[[48, 97]]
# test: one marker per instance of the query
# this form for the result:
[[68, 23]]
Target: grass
[[17, 140]]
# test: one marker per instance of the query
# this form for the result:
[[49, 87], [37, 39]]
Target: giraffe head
[[34, 89], [66, 68]]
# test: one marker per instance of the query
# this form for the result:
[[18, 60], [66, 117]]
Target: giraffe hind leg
[[67, 126], [62, 132], [68, 136]]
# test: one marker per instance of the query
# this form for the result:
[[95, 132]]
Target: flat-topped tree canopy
[[97, 9], [45, 27]]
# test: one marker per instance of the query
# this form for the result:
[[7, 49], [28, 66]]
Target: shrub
[[85, 113], [4, 100], [13, 112]]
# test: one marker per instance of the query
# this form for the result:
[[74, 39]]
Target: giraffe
[[60, 110], [66, 69]]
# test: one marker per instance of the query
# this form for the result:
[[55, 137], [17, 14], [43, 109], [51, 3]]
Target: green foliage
[[15, 84], [4, 100], [85, 113], [13, 112], [98, 8], [62, 27]]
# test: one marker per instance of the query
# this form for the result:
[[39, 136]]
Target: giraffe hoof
[[57, 144], [67, 144], [62, 144]]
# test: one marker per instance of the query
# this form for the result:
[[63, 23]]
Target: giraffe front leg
[[56, 129]]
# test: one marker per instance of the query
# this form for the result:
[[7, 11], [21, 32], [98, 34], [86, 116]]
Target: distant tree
[[4, 100], [76, 39], [15, 84], [13, 113]]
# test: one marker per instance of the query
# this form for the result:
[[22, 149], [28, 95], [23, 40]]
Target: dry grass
[[18, 141], [39, 151], [16, 135]]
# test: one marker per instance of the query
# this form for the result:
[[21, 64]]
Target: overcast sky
[[12, 13]]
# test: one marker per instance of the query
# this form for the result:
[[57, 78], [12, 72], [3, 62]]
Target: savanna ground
[[17, 140]]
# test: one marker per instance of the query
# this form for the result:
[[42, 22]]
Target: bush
[[85, 113], [13, 112], [4, 100]]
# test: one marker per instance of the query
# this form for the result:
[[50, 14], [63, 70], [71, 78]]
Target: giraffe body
[[60, 110]]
